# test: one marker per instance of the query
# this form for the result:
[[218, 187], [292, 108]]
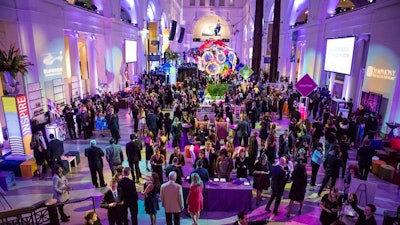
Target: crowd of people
[[269, 159]]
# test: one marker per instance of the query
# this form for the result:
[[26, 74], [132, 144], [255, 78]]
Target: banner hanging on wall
[[153, 37], [16, 112]]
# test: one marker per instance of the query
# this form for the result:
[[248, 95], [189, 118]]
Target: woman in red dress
[[195, 198]]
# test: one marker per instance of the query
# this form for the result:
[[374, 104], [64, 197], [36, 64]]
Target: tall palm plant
[[13, 61]]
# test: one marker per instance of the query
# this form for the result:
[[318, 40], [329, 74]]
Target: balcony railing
[[41, 213]]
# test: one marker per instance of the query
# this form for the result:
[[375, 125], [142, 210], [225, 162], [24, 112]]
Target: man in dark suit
[[55, 149], [114, 155], [135, 113], [203, 173], [151, 122], [133, 152], [243, 131], [69, 119], [113, 125], [113, 201], [364, 156], [279, 178], [130, 197], [160, 120], [174, 167], [243, 219], [281, 103], [85, 123], [94, 155]]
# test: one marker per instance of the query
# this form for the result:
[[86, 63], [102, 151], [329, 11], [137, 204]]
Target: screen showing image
[[339, 55], [371, 101], [130, 51]]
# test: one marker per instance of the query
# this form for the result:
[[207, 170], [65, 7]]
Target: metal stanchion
[[51, 205]]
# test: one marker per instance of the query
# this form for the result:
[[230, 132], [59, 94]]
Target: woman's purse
[[348, 210]]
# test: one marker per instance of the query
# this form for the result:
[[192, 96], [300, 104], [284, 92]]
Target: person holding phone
[[366, 217]]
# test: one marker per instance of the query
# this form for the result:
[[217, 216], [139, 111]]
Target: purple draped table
[[185, 140], [224, 196], [235, 141], [392, 126]]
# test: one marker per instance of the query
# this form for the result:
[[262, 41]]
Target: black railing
[[79, 200], [35, 214], [44, 212]]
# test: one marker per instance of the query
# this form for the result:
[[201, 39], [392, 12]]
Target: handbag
[[348, 211], [64, 196]]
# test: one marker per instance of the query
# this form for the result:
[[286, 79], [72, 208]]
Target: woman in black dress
[[261, 176], [149, 148], [157, 161], [271, 149], [167, 124], [39, 152], [264, 130], [241, 164], [150, 191], [330, 206], [298, 189]]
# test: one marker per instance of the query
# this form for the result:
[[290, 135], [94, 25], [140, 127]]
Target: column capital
[[72, 33]]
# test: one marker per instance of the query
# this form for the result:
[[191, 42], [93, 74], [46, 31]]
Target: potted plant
[[217, 90], [171, 56], [12, 62]]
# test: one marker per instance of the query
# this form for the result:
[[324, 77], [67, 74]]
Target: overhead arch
[[151, 11], [125, 15], [164, 21], [129, 11], [298, 7]]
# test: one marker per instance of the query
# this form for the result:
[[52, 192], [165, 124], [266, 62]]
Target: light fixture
[[346, 4], [93, 36]]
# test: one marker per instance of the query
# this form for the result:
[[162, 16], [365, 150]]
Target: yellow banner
[[9, 104], [153, 37]]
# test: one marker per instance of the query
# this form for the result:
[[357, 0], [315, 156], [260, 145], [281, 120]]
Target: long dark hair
[[156, 181]]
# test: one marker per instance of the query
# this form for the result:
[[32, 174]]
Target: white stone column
[[74, 60], [141, 58], [91, 54], [354, 86]]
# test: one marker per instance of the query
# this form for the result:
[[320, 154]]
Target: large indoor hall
[[198, 112]]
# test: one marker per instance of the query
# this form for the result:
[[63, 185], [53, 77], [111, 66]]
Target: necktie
[[115, 196]]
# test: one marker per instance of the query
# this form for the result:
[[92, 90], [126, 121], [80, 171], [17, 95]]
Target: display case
[[58, 91], [36, 102], [76, 93]]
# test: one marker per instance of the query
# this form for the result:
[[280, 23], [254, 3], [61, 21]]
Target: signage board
[[305, 85]]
